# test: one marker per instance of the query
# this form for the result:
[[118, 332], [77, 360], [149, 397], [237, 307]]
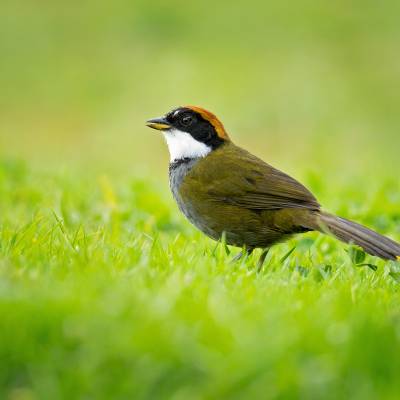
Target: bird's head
[[190, 132]]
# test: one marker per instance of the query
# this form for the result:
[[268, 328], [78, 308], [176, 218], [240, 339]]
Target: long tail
[[350, 232]]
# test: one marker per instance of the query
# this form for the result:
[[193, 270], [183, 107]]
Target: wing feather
[[242, 179]]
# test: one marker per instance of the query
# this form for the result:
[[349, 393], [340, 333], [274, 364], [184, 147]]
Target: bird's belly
[[239, 227], [199, 218]]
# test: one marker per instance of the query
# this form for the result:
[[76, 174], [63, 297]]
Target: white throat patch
[[183, 145]]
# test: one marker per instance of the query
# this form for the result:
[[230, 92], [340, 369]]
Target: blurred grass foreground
[[106, 292]]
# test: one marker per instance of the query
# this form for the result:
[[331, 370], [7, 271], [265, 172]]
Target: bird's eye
[[186, 120]]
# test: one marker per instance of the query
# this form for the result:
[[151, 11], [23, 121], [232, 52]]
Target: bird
[[230, 194]]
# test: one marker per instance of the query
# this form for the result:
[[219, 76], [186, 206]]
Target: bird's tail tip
[[369, 240]]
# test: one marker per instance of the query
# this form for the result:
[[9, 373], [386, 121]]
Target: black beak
[[161, 124]]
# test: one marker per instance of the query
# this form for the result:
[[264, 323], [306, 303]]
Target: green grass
[[106, 292]]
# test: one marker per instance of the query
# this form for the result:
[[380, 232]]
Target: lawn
[[106, 291]]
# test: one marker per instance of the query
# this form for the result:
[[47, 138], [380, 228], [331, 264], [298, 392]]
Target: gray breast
[[177, 173]]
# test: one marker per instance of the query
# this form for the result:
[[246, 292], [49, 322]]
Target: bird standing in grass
[[227, 192]]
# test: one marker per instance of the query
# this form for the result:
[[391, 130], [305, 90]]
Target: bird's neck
[[181, 161]]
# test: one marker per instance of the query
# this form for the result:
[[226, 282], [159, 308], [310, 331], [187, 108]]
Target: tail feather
[[350, 232]]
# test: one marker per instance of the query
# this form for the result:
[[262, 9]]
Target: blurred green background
[[310, 86], [106, 292]]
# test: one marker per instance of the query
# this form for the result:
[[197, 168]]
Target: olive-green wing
[[235, 176]]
